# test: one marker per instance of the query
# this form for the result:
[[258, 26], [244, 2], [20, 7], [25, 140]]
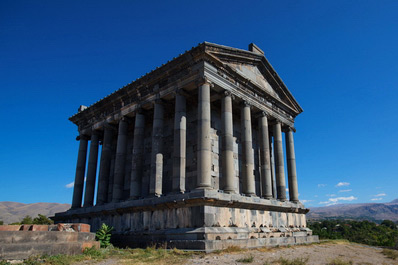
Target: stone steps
[[20, 242]]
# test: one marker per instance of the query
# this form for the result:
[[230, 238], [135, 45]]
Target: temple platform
[[204, 220]]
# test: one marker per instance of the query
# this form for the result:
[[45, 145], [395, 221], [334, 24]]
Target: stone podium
[[191, 155]]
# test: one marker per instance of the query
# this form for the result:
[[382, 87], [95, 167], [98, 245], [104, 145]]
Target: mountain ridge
[[11, 212], [368, 211]]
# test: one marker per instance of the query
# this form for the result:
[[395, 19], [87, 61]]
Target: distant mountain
[[11, 212], [367, 211]]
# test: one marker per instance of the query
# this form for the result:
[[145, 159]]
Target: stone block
[[26, 227], [81, 227], [10, 227], [90, 244], [39, 228]]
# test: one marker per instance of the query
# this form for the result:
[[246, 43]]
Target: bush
[[389, 253], [42, 220], [103, 235], [27, 220]]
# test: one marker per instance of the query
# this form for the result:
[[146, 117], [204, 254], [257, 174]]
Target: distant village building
[[192, 155]]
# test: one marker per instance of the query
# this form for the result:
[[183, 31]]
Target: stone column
[[227, 153], [204, 141], [247, 151], [265, 158], [91, 171], [137, 158], [156, 177], [291, 166], [279, 165], [180, 139], [272, 168], [80, 170], [120, 161], [105, 166]]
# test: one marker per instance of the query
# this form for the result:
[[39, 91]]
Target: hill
[[366, 211], [11, 212]]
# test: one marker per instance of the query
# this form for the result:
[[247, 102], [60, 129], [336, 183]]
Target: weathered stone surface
[[39, 241]]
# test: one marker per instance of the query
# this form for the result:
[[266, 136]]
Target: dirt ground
[[323, 253]]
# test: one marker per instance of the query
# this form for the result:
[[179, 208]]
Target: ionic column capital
[[125, 119], [204, 81], [159, 101], [109, 126], [265, 114], [246, 104], [291, 128], [95, 132], [82, 137], [288, 128], [139, 111]]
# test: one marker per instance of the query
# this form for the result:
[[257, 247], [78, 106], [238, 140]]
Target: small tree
[[104, 235], [42, 220], [389, 224], [27, 220], [1, 222]]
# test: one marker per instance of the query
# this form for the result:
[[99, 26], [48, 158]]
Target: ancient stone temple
[[192, 155]]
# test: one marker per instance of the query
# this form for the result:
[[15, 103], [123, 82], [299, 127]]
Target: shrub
[[389, 253], [42, 220], [104, 235], [27, 220]]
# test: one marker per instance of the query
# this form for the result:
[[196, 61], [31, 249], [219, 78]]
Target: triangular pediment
[[252, 73], [255, 68]]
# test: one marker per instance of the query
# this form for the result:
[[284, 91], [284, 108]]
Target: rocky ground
[[325, 253]]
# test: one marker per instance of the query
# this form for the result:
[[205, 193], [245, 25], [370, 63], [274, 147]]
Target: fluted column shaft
[[272, 168], [80, 170], [156, 177], [247, 152], [279, 164], [137, 158], [227, 153], [120, 161], [105, 166], [180, 138], [91, 171], [265, 158], [291, 166], [204, 140]]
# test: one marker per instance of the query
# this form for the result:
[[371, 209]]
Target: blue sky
[[338, 58]]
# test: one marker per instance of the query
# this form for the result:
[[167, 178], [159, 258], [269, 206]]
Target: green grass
[[248, 259], [391, 254]]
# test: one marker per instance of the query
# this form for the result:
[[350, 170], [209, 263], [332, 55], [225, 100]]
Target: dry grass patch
[[389, 253], [230, 249], [339, 262], [247, 259], [296, 261]]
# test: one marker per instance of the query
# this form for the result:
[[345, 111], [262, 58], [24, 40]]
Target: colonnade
[[204, 154]]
